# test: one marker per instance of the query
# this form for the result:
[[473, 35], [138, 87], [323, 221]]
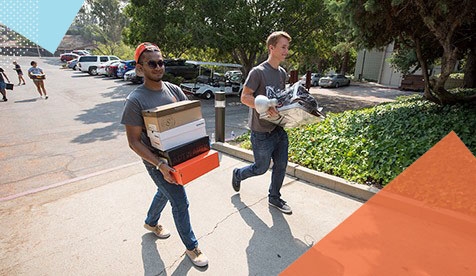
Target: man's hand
[[166, 172], [272, 112]]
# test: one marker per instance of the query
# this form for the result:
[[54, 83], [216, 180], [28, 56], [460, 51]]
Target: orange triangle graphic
[[421, 223]]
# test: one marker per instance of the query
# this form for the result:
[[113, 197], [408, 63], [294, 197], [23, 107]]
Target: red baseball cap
[[144, 46]]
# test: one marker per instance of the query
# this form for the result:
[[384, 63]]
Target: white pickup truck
[[91, 63]]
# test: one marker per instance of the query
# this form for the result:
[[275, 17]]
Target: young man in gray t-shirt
[[155, 92], [269, 141]]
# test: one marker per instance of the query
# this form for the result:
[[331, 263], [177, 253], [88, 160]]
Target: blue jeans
[[268, 146], [179, 202]]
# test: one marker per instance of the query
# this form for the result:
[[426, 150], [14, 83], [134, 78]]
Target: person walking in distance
[[269, 141], [38, 76], [19, 73], [3, 85], [155, 92]]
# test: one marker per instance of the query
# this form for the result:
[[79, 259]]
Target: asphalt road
[[77, 133]]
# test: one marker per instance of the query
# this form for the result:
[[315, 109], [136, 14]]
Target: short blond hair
[[274, 37]]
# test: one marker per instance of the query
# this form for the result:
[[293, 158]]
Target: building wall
[[389, 76], [368, 64], [373, 65]]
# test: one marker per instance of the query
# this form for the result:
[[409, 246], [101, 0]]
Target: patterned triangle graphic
[[44, 22]]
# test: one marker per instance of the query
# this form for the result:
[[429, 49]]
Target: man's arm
[[248, 99], [133, 137]]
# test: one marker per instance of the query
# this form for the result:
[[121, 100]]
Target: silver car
[[334, 80], [314, 79]]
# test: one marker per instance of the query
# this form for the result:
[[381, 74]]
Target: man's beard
[[156, 78]]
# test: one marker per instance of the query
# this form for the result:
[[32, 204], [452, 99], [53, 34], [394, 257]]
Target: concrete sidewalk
[[93, 226]]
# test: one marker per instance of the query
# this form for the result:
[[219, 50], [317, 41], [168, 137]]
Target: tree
[[427, 26], [237, 29], [102, 22]]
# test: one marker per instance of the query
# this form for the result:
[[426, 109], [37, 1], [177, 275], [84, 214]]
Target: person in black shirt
[[19, 72]]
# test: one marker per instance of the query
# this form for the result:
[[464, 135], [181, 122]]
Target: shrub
[[374, 145]]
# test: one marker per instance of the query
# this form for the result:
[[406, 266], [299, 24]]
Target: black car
[[179, 68]]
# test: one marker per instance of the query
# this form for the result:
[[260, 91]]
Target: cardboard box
[[38, 76], [165, 117], [177, 136], [182, 153], [196, 167]]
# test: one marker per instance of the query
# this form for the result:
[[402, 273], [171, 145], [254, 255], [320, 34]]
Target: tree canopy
[[235, 29], [432, 28], [102, 21]]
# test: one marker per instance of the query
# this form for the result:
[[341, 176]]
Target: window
[[88, 59]]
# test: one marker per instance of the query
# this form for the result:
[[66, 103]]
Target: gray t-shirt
[[260, 78], [142, 98]]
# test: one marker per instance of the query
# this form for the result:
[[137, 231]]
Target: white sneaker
[[197, 257], [158, 230]]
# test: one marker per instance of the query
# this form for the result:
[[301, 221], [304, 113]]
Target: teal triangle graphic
[[44, 22]]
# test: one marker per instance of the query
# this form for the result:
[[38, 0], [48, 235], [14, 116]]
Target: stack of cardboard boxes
[[178, 132]]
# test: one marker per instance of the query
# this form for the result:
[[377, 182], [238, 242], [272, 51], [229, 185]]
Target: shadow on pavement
[[109, 113], [273, 248], [185, 265], [28, 100], [153, 264], [80, 75]]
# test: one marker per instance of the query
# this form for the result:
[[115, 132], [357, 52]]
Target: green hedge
[[374, 145]]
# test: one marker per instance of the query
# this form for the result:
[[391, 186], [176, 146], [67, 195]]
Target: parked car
[[111, 69], [102, 69], [132, 77], [68, 56], [334, 80], [81, 52], [315, 77], [72, 64], [125, 66], [90, 63]]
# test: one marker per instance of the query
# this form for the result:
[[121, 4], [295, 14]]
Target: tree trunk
[[444, 31], [345, 63], [449, 60], [246, 59], [424, 68], [470, 69]]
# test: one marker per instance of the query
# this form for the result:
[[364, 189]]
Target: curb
[[313, 177]]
